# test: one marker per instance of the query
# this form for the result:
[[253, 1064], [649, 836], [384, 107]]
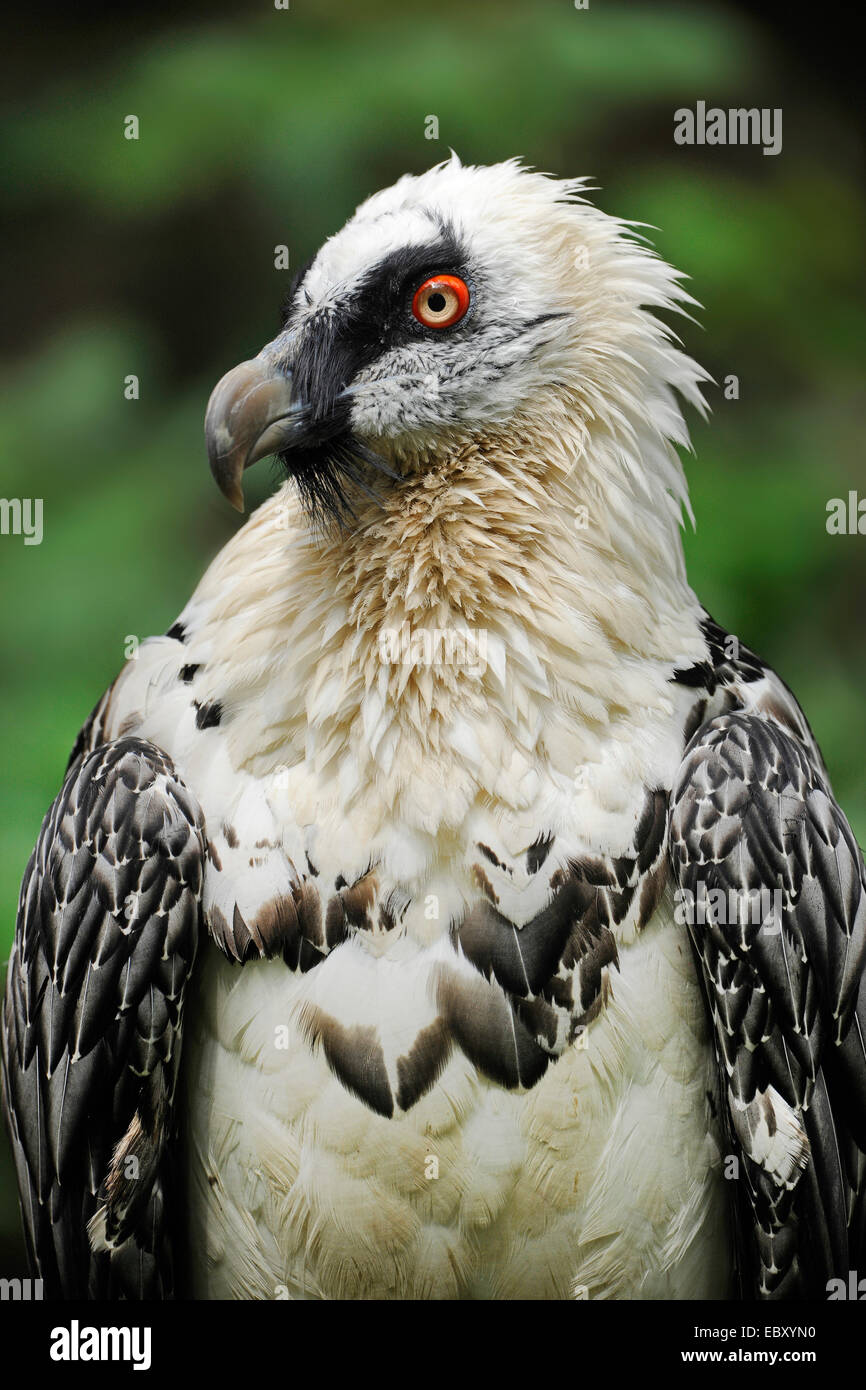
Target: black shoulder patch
[[725, 664]]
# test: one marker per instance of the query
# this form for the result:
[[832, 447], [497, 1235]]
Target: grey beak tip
[[244, 407]]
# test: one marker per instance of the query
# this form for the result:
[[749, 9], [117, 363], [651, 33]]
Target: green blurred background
[[261, 127]]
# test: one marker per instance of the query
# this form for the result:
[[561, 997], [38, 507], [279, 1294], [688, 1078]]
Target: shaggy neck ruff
[[512, 604]]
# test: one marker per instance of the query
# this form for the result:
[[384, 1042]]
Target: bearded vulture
[[446, 906]]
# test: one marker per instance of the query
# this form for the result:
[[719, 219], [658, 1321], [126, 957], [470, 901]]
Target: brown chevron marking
[[522, 960], [295, 923], [484, 885], [590, 950], [386, 918], [536, 985], [309, 909], [536, 855], [241, 939], [246, 938], [335, 922], [423, 1064], [601, 1001], [492, 859], [551, 975], [354, 1055], [219, 930], [358, 902], [596, 872], [275, 920], [300, 954], [484, 1024]]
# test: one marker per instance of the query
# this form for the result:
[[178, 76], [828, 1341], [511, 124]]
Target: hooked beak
[[249, 415]]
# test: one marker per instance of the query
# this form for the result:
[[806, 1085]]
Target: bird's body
[[296, 1183], [445, 775]]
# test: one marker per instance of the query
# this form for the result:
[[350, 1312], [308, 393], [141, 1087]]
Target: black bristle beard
[[326, 476]]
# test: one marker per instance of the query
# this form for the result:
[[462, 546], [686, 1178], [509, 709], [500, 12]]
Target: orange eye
[[441, 301]]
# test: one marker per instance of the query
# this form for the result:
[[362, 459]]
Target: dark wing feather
[[752, 810], [108, 926]]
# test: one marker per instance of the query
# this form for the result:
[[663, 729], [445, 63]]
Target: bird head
[[456, 306]]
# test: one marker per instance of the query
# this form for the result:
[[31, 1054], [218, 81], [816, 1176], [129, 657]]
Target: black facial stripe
[[342, 341], [391, 283], [338, 342], [327, 359]]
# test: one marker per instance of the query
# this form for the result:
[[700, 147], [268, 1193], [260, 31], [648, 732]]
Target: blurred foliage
[[260, 127]]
